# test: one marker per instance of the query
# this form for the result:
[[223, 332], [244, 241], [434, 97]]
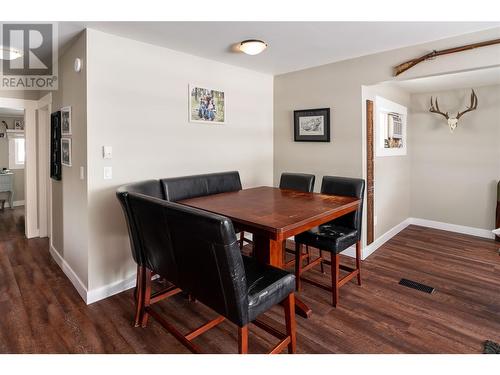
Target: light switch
[[82, 173], [108, 173], [107, 152]]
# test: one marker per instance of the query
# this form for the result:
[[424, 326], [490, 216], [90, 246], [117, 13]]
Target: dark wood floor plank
[[42, 312]]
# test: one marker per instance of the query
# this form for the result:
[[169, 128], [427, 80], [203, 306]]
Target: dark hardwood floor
[[42, 313]]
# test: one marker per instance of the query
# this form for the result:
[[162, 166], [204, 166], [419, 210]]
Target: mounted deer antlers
[[453, 122]]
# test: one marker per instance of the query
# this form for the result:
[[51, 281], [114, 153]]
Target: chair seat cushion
[[266, 286], [329, 237]]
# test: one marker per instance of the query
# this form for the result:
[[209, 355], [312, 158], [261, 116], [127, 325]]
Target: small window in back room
[[16, 153]]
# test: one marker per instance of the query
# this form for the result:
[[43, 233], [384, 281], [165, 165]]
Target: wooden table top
[[278, 212]]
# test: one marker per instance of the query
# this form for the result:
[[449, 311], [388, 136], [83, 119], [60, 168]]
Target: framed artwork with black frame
[[311, 125], [55, 146]]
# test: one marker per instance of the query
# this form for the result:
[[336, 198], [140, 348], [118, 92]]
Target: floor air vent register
[[417, 286]]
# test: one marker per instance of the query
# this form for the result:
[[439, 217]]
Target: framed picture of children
[[206, 105]]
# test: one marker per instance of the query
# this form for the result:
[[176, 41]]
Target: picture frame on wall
[[207, 105], [311, 125], [66, 152], [66, 120], [18, 125], [55, 146]]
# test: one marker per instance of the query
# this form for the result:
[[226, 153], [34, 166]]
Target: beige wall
[[454, 176], [4, 162], [339, 86], [138, 104], [391, 173], [69, 196], [20, 94]]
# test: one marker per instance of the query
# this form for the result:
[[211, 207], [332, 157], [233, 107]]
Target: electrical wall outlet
[[108, 173]]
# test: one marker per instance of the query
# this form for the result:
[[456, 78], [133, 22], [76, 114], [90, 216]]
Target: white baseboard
[[14, 204], [370, 249], [109, 290], [94, 295], [68, 271], [479, 232]]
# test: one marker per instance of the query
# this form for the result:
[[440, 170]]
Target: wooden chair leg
[[358, 260], [291, 326], [321, 264], [308, 254], [147, 297], [139, 295], [243, 339], [242, 237], [298, 265], [335, 266]]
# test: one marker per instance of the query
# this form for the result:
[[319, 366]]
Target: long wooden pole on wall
[[369, 174], [498, 210]]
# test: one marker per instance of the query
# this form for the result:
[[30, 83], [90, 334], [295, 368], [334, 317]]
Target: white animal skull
[[452, 123]]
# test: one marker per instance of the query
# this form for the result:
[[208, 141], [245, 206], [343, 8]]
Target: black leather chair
[[300, 182], [171, 189], [334, 237], [179, 188], [150, 188], [297, 181], [207, 264]]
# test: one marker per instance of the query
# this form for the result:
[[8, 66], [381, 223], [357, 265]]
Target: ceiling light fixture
[[9, 53], [252, 46]]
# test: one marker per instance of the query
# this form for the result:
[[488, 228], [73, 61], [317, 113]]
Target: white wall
[[138, 103], [391, 173], [69, 196], [454, 176]]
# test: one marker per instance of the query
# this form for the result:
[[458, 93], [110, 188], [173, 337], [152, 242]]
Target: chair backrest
[[351, 187], [179, 188], [150, 188], [195, 250], [297, 181]]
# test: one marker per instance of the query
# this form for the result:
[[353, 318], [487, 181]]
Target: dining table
[[273, 215]]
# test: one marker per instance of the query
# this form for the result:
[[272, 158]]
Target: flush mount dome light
[[252, 46], [9, 53]]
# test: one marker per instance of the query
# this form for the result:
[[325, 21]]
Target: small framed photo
[[66, 121], [18, 125], [66, 152], [312, 125], [207, 105]]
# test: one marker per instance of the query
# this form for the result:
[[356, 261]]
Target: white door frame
[[30, 169], [44, 107]]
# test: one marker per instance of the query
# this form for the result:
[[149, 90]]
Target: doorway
[[24, 133]]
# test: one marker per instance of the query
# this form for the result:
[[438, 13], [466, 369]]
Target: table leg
[[271, 252]]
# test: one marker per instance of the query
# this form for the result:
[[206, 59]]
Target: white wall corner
[[68, 271], [109, 290], [370, 249]]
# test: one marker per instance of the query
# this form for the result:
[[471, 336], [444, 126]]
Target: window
[[16, 153]]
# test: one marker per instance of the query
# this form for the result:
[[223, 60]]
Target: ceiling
[[292, 45], [461, 80], [10, 112]]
